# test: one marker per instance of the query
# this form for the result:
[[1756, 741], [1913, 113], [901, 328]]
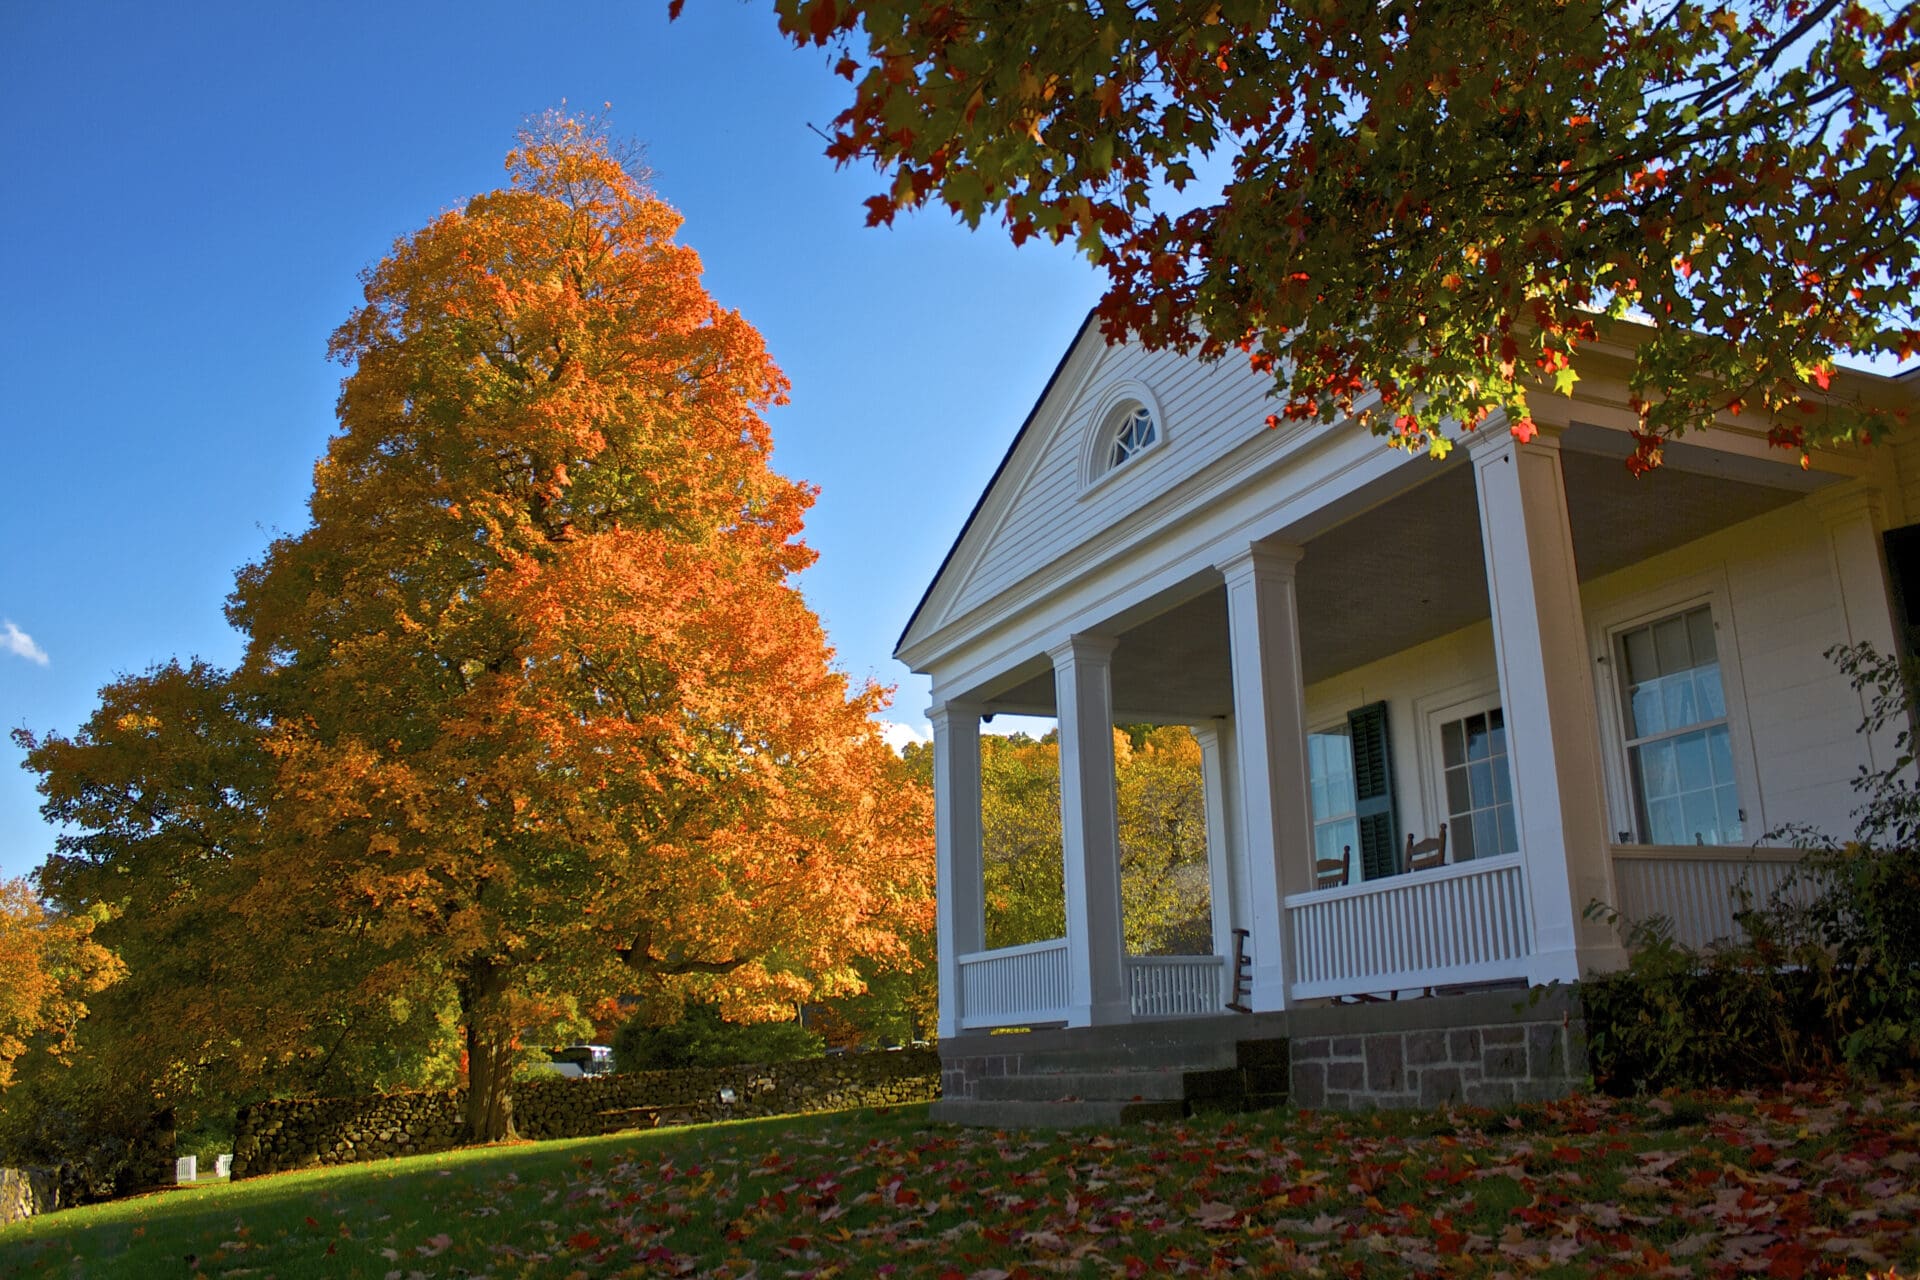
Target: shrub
[[1677, 1017], [1827, 972]]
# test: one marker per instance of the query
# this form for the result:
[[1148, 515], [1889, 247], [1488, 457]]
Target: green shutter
[[1373, 791]]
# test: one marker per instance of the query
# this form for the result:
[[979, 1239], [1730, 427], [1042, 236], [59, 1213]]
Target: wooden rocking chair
[[1333, 873], [1428, 854]]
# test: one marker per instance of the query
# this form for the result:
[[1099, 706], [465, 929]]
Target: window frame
[[1095, 473], [1608, 628], [1343, 728], [1434, 712]]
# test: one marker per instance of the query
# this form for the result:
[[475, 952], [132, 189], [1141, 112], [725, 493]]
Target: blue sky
[[193, 190]]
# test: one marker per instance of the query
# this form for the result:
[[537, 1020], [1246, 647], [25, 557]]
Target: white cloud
[[21, 645], [1008, 725], [899, 735]]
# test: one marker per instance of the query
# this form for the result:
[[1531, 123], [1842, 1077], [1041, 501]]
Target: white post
[[1270, 745], [1224, 876], [1855, 516], [1090, 832], [1546, 695], [959, 878]]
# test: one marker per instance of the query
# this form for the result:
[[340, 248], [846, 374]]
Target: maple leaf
[[1359, 162]]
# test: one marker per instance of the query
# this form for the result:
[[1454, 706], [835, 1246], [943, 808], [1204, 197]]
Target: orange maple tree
[[49, 965], [543, 715]]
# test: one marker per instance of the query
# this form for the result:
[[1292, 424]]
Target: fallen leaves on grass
[[1811, 1182]]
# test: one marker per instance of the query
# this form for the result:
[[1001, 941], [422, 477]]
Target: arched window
[[1130, 429], [1124, 423]]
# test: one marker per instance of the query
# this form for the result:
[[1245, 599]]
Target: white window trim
[[1430, 713], [1094, 473], [1606, 626], [1330, 725]]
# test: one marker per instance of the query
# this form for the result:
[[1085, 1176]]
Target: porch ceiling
[[1405, 571]]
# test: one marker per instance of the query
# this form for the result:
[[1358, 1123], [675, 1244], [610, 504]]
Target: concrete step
[[1122, 1086], [1023, 1113]]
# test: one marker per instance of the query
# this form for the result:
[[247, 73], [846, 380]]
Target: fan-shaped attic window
[[1130, 430]]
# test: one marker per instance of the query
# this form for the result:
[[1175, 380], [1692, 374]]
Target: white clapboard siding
[[1176, 986], [1697, 890], [1206, 409], [1778, 608], [1459, 924], [1014, 986]]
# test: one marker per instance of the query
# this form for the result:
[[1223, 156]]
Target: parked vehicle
[[589, 1059]]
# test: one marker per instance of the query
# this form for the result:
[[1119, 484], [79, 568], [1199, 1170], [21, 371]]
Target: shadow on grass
[[329, 1221]]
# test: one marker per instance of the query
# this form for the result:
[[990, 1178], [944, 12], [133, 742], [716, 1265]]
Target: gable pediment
[[1058, 488]]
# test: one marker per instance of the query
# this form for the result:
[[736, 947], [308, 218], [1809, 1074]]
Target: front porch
[[1460, 926], [1475, 692]]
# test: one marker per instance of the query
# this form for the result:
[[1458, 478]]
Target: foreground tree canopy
[[531, 711], [1437, 200]]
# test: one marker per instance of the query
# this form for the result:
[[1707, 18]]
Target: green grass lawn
[[1810, 1182]]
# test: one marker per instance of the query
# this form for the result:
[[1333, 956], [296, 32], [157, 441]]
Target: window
[[1679, 748], [1477, 786], [1131, 430], [1336, 824], [1350, 770], [1124, 424]]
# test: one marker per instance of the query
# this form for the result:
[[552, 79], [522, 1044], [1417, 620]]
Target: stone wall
[[25, 1192], [1486, 1050], [87, 1164], [300, 1133]]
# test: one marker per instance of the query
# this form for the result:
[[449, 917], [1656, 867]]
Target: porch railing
[[1463, 923], [1695, 886], [1176, 986], [1014, 986], [1027, 986]]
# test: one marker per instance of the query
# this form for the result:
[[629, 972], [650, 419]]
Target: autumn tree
[[1163, 838], [164, 798], [49, 966], [1163, 841], [1438, 201], [541, 713]]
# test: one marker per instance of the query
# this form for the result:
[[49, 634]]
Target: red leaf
[[821, 20]]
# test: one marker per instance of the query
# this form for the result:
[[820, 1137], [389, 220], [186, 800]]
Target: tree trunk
[[490, 1052]]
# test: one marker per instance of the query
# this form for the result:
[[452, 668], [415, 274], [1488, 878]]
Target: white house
[[1607, 688]]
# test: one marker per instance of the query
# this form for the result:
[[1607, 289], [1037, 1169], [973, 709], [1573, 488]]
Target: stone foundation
[[1490, 1049], [1487, 1048]]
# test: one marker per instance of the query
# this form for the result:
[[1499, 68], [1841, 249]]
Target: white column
[[1270, 744], [1546, 694], [1225, 878], [1090, 832], [959, 878], [1855, 516]]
